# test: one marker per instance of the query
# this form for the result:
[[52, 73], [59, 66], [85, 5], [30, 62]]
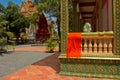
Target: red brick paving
[[39, 49], [46, 69]]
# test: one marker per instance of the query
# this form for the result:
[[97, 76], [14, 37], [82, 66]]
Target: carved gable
[[23, 9], [28, 8]]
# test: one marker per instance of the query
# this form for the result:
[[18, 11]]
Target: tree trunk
[[59, 33]]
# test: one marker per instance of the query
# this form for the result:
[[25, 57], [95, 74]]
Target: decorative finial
[[29, 0]]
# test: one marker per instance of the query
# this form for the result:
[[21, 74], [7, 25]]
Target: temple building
[[93, 53], [39, 31], [97, 12]]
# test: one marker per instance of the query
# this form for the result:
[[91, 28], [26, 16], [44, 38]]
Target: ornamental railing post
[[64, 25], [116, 26]]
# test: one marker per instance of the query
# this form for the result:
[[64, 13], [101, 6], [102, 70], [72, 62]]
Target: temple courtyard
[[33, 63]]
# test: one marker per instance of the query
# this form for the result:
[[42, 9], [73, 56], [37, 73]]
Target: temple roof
[[29, 0], [27, 8]]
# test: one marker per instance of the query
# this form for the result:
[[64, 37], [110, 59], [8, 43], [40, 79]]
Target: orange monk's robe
[[74, 45]]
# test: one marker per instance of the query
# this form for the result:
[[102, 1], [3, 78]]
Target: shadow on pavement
[[3, 53], [51, 61]]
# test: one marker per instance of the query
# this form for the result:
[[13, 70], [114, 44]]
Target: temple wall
[[110, 14], [104, 13], [107, 17]]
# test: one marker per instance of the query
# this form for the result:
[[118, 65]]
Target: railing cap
[[108, 33]]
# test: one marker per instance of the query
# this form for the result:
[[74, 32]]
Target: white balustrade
[[97, 44]]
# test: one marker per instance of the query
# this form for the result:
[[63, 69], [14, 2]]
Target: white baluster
[[81, 48], [90, 46], [85, 45], [105, 46], [95, 46], [100, 46], [110, 46]]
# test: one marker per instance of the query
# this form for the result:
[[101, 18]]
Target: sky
[[5, 2]]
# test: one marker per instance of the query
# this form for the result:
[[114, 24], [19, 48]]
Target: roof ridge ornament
[[29, 0]]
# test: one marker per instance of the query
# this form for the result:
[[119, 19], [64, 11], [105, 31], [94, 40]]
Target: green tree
[[11, 10], [16, 20], [34, 17], [1, 9], [5, 36], [51, 7], [19, 25]]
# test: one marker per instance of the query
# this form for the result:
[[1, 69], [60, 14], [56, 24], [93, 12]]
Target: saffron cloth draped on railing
[[74, 45]]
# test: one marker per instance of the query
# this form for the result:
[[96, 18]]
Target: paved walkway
[[29, 48], [45, 69], [14, 61]]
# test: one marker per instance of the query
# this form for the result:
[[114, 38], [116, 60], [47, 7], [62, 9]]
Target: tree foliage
[[5, 36], [1, 9], [18, 25], [11, 10], [16, 20], [34, 17], [50, 7]]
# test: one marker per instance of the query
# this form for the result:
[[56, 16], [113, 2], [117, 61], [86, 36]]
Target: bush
[[51, 44]]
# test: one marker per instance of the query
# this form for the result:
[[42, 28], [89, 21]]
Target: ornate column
[[116, 25], [64, 25]]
